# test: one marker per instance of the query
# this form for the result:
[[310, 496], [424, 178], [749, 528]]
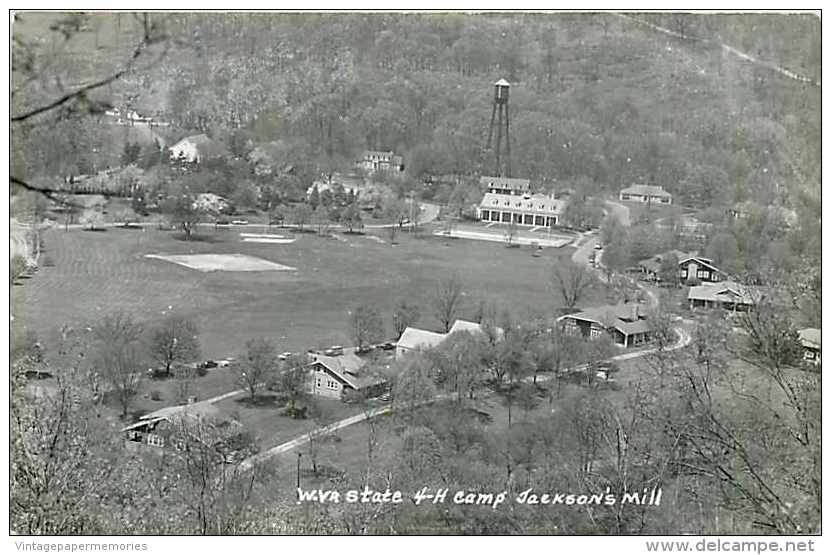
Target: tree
[[396, 211], [404, 315], [259, 365], [117, 359], [668, 271], [185, 377], [300, 215], [277, 214], [321, 219], [351, 217], [131, 153], [292, 380], [611, 229], [33, 63], [176, 340], [447, 299], [366, 325], [724, 251], [245, 197], [121, 370], [314, 197], [117, 328], [17, 267], [205, 478], [321, 415], [615, 257], [183, 212], [60, 464], [572, 281]]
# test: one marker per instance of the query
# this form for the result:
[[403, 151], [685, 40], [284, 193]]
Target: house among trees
[[505, 185], [197, 149], [414, 339], [646, 193], [728, 295], [697, 268], [811, 340], [690, 267], [377, 160], [626, 323], [509, 200], [170, 426], [333, 376]]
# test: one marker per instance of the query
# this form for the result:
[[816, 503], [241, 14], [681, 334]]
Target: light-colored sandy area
[[221, 262], [274, 241], [555, 241], [263, 235]]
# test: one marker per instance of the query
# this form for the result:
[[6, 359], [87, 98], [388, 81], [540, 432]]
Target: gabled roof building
[[646, 194], [415, 339], [811, 340], [332, 376], [726, 294], [627, 323]]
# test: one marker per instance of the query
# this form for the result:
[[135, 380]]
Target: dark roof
[[513, 183], [347, 367], [729, 291], [194, 412], [628, 318], [647, 190]]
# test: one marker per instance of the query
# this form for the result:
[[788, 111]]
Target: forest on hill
[[598, 100]]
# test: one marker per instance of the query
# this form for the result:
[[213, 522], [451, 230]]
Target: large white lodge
[[510, 198]]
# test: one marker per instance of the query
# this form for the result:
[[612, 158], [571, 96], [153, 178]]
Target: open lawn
[[265, 419], [639, 211], [97, 273]]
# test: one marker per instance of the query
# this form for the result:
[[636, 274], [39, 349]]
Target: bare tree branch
[[147, 40]]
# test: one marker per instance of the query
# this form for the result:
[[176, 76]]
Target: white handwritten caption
[[648, 497]]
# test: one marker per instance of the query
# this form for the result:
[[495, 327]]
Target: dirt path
[[620, 211], [684, 339], [727, 48]]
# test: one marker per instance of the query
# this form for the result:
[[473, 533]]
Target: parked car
[[223, 222], [334, 351], [388, 346], [284, 356], [209, 364], [240, 222], [224, 363], [598, 246]]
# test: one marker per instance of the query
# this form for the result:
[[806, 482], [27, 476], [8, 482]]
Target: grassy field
[[94, 273]]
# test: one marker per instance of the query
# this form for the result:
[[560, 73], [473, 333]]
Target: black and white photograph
[[415, 273]]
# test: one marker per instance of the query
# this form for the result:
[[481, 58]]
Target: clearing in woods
[[97, 273], [221, 262]]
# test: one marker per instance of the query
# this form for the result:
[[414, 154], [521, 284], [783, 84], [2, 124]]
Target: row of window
[[699, 274], [330, 383], [525, 219], [530, 206]]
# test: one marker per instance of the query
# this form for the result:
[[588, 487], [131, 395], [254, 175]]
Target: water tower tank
[[501, 89]]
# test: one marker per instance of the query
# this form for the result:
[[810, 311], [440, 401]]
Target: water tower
[[500, 106]]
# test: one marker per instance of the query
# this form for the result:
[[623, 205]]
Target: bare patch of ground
[[221, 262]]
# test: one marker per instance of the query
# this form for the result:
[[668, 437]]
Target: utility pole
[[299, 455], [412, 205]]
